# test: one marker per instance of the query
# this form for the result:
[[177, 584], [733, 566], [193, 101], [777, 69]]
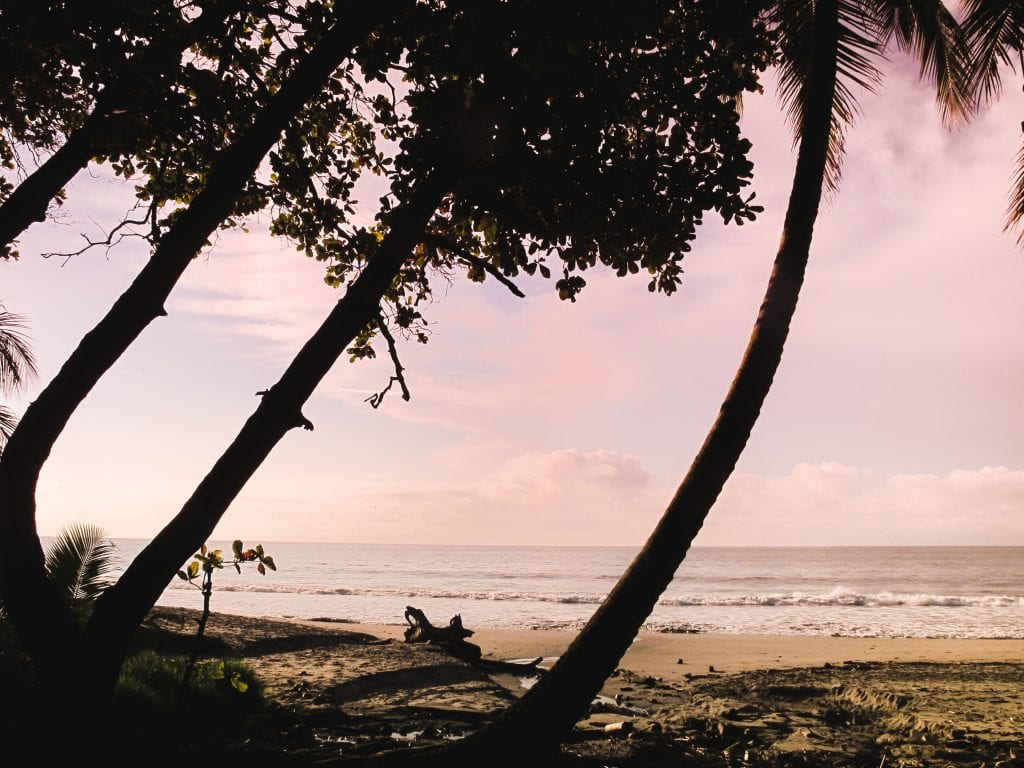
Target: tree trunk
[[545, 715], [41, 621], [122, 607], [30, 199]]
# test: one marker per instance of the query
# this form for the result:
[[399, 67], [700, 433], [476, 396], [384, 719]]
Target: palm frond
[[994, 30], [8, 421], [17, 363], [1015, 210], [927, 29], [79, 560], [857, 49]]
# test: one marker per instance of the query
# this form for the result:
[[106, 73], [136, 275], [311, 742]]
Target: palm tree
[[995, 33], [78, 563], [826, 48], [17, 366]]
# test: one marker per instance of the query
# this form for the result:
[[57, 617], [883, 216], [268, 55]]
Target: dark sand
[[340, 690]]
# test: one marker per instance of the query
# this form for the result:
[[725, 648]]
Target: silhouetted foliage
[[514, 137]]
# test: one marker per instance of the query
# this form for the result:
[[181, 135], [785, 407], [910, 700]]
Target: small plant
[[148, 706], [210, 560]]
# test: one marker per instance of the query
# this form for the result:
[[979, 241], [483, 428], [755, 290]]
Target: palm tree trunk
[[30, 199], [121, 608], [543, 717], [42, 624]]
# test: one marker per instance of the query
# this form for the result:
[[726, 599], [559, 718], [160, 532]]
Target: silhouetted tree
[[531, 137], [824, 48]]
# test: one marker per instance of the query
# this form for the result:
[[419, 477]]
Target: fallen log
[[453, 639]]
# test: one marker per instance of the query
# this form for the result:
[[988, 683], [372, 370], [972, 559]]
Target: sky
[[896, 417]]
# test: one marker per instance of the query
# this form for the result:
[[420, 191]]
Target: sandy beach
[[339, 689]]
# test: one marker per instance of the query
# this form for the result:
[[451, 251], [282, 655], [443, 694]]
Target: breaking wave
[[840, 596]]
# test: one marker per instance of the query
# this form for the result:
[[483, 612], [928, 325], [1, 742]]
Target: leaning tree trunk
[[43, 624], [122, 607], [546, 714], [30, 199]]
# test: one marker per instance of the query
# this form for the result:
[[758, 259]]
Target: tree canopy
[[512, 137]]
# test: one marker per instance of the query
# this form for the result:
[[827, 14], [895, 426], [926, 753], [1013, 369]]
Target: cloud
[[602, 497], [833, 504], [565, 496]]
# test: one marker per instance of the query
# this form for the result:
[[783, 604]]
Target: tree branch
[[376, 399], [475, 261]]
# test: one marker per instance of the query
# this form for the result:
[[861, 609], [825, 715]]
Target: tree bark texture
[[546, 714], [120, 609], [30, 199], [42, 623]]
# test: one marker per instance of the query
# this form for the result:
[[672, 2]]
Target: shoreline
[[658, 653]]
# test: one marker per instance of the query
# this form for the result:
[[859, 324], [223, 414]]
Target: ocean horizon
[[930, 591]]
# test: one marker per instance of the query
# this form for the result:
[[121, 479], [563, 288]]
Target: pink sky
[[896, 418]]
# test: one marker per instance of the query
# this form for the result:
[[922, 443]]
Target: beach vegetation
[[17, 366], [827, 50], [79, 563], [514, 138], [152, 682], [523, 138], [208, 561], [995, 33]]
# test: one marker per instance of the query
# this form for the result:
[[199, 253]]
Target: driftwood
[[453, 639]]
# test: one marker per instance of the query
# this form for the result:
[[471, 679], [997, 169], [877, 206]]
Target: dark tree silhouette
[[45, 628], [824, 46], [531, 136]]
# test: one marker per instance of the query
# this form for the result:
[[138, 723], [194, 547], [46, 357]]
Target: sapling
[[210, 560]]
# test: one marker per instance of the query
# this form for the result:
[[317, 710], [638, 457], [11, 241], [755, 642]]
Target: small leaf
[[193, 569], [269, 562], [261, 569], [181, 575], [217, 670], [236, 548], [259, 550], [238, 567]]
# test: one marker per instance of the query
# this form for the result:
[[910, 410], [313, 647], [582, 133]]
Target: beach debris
[[406, 737], [452, 638], [620, 728], [615, 706]]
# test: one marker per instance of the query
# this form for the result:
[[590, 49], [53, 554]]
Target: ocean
[[852, 591]]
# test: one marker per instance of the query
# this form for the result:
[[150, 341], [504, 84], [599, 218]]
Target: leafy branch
[[210, 560]]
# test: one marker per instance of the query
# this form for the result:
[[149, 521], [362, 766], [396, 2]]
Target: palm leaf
[[17, 363], [79, 560], [927, 29], [994, 30], [1015, 210], [8, 421], [857, 48]]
